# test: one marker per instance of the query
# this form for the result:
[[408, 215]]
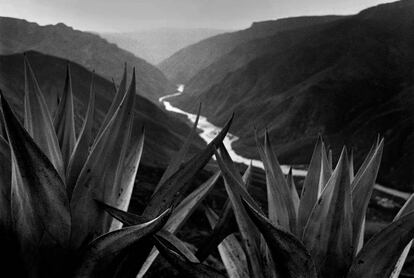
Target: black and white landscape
[[195, 139]]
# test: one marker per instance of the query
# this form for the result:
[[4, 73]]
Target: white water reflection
[[209, 131]]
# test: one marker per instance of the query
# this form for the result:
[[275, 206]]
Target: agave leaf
[[184, 266], [127, 178], [328, 233], [114, 85], [381, 253], [98, 178], [312, 185], [351, 166], [174, 243], [294, 192], [181, 213], [184, 210], [233, 174], [177, 245], [365, 162], [407, 208], [178, 159], [127, 218], [39, 203], [130, 219], [38, 122], [131, 258], [101, 254], [119, 96], [330, 160], [84, 142], [291, 257], [178, 218], [247, 175], [249, 233], [170, 193], [117, 187], [5, 185], [279, 197], [64, 121], [225, 226], [326, 169], [230, 165], [231, 251], [363, 185]]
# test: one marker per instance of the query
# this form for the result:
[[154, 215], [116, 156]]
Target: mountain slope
[[155, 45], [349, 80], [187, 62], [86, 49], [164, 134]]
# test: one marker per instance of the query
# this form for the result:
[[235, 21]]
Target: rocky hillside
[[164, 134], [187, 62], [86, 49], [155, 45], [348, 79]]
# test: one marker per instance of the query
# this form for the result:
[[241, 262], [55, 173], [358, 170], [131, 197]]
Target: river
[[209, 131]]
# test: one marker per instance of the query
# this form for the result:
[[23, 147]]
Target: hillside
[[86, 49], [164, 134], [187, 62], [348, 79], [155, 45]]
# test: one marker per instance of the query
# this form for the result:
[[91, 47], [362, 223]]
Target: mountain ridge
[[346, 80], [187, 62], [155, 45], [87, 49]]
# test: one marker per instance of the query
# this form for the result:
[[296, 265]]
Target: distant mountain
[[89, 50], [187, 62], [164, 134], [348, 79], [156, 45]]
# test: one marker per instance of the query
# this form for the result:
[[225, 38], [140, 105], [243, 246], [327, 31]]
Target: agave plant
[[57, 188], [320, 233]]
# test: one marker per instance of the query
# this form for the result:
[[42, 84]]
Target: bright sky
[[129, 15]]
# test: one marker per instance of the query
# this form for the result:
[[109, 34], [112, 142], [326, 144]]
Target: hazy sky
[[126, 15]]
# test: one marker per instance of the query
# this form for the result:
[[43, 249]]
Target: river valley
[[209, 131]]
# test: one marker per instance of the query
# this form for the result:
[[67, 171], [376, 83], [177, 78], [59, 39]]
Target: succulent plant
[[65, 196], [320, 234], [58, 188]]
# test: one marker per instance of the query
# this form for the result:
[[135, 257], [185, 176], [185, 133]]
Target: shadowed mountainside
[[164, 133], [86, 49], [348, 79], [187, 62], [155, 45]]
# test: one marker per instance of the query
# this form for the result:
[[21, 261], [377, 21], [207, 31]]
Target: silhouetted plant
[[56, 186], [320, 234]]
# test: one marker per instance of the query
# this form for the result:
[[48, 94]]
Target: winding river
[[209, 131]]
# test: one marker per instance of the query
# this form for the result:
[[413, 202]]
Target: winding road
[[209, 131]]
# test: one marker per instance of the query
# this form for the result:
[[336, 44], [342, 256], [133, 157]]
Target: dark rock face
[[348, 79], [86, 49], [163, 134]]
